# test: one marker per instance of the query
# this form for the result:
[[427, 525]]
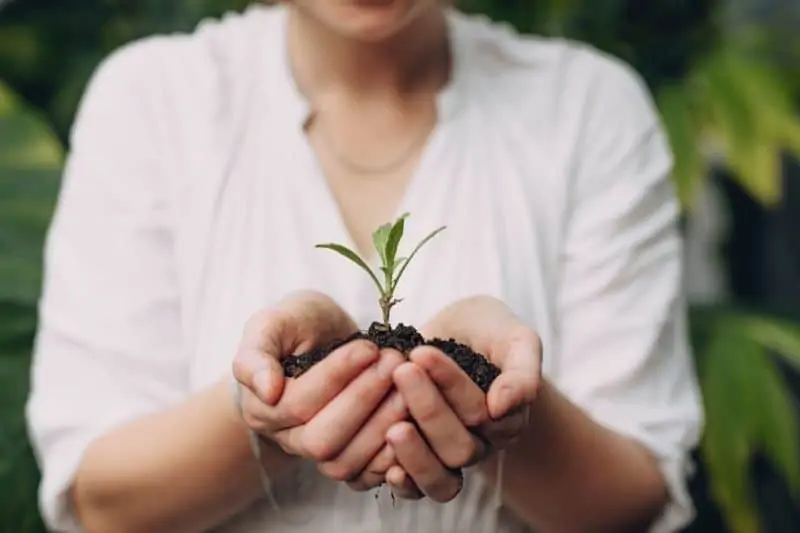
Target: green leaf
[[782, 337], [395, 236], [768, 92], [380, 237], [779, 427], [355, 258], [411, 256], [30, 167], [732, 426], [683, 131], [748, 408], [752, 147]]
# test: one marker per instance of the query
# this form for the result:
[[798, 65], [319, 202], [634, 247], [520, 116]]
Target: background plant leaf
[[685, 135], [30, 164], [780, 336], [730, 433], [749, 410]]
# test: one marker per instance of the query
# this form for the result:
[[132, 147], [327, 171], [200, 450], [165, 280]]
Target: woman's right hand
[[338, 412]]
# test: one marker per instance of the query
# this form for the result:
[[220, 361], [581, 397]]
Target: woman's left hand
[[456, 425]]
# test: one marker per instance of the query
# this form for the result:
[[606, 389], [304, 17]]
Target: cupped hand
[[338, 412], [455, 425]]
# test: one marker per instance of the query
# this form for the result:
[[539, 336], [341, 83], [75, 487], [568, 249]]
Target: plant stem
[[386, 307], [386, 310]]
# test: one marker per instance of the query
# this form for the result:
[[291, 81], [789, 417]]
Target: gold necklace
[[367, 169]]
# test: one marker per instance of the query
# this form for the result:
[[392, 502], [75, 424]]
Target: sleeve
[[107, 348], [624, 349]]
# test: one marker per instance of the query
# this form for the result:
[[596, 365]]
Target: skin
[[564, 472], [356, 38], [381, 70]]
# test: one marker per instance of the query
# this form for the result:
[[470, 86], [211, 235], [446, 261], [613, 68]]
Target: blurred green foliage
[[727, 95], [30, 163]]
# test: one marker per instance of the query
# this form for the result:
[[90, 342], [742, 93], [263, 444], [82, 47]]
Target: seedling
[[403, 338], [386, 240]]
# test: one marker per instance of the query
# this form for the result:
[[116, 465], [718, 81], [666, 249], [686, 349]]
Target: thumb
[[257, 364], [518, 383], [299, 322], [261, 373]]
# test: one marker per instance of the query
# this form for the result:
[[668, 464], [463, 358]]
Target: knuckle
[[406, 432], [365, 482], [337, 470], [286, 443], [444, 490], [296, 414], [427, 410], [255, 323], [461, 456], [524, 335], [475, 417], [355, 349], [241, 369], [361, 486], [254, 423], [320, 450], [292, 441], [265, 320], [381, 463]]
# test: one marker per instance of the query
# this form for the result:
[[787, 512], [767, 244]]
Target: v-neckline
[[448, 103], [410, 199]]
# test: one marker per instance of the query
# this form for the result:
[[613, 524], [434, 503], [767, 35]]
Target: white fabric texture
[[191, 199]]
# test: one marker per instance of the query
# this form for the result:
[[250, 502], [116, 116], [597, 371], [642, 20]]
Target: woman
[[205, 167]]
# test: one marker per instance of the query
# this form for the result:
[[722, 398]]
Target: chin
[[377, 20]]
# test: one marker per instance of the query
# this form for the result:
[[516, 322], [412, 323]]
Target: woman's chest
[[258, 243]]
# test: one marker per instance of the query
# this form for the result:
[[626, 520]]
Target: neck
[[415, 59]]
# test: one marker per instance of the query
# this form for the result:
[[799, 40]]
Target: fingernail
[[262, 384]]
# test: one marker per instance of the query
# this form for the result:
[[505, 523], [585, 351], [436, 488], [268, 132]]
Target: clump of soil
[[403, 339]]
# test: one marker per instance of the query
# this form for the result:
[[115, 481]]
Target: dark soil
[[403, 339]]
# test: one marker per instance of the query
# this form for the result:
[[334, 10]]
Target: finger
[[350, 430], [310, 319], [421, 464], [478, 322], [374, 475], [446, 435], [383, 461], [300, 321], [464, 396], [520, 377], [402, 485], [257, 415], [368, 449], [305, 396], [261, 373], [506, 430], [366, 481]]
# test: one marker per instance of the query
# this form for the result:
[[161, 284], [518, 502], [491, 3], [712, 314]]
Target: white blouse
[[191, 199]]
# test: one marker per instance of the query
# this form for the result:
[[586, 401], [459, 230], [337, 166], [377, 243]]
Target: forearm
[[183, 470], [569, 474]]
